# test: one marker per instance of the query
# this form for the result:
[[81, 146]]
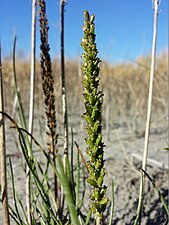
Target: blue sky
[[123, 28]]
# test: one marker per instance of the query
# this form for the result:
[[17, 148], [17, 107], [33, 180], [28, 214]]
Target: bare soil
[[123, 144]]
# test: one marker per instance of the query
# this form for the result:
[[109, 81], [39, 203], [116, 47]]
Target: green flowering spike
[[93, 104], [92, 182]]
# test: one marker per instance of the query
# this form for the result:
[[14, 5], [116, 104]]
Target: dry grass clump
[[23, 71], [125, 85]]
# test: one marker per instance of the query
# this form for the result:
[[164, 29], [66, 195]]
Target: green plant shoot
[[93, 99]]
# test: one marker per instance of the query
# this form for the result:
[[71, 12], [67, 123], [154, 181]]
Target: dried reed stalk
[[32, 80], [64, 98], [3, 154], [150, 97], [48, 86], [31, 106], [149, 107]]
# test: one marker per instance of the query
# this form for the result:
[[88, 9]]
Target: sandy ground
[[123, 148]]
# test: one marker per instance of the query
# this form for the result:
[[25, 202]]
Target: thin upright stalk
[[32, 80], [48, 88], [150, 97], [31, 105], [3, 154], [168, 113], [64, 99], [149, 107]]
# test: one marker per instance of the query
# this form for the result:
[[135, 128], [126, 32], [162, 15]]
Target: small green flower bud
[[100, 181], [92, 28], [92, 18], [86, 15]]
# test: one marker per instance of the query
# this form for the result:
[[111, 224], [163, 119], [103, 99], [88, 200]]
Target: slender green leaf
[[67, 189], [158, 191], [112, 204], [14, 195], [77, 177]]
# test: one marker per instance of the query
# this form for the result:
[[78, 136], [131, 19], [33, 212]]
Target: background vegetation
[[125, 85], [125, 88]]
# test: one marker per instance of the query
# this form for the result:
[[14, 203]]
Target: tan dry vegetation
[[125, 86]]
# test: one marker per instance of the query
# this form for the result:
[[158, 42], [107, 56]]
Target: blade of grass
[[88, 217], [68, 171], [158, 191], [71, 162], [59, 171], [23, 122], [36, 179], [42, 219], [71, 153], [28, 160], [112, 204], [82, 189], [13, 215], [140, 203], [82, 157], [77, 177], [22, 209], [20, 107], [84, 185], [14, 194], [39, 185]]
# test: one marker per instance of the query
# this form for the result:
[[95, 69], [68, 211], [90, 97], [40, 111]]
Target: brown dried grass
[[125, 86]]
